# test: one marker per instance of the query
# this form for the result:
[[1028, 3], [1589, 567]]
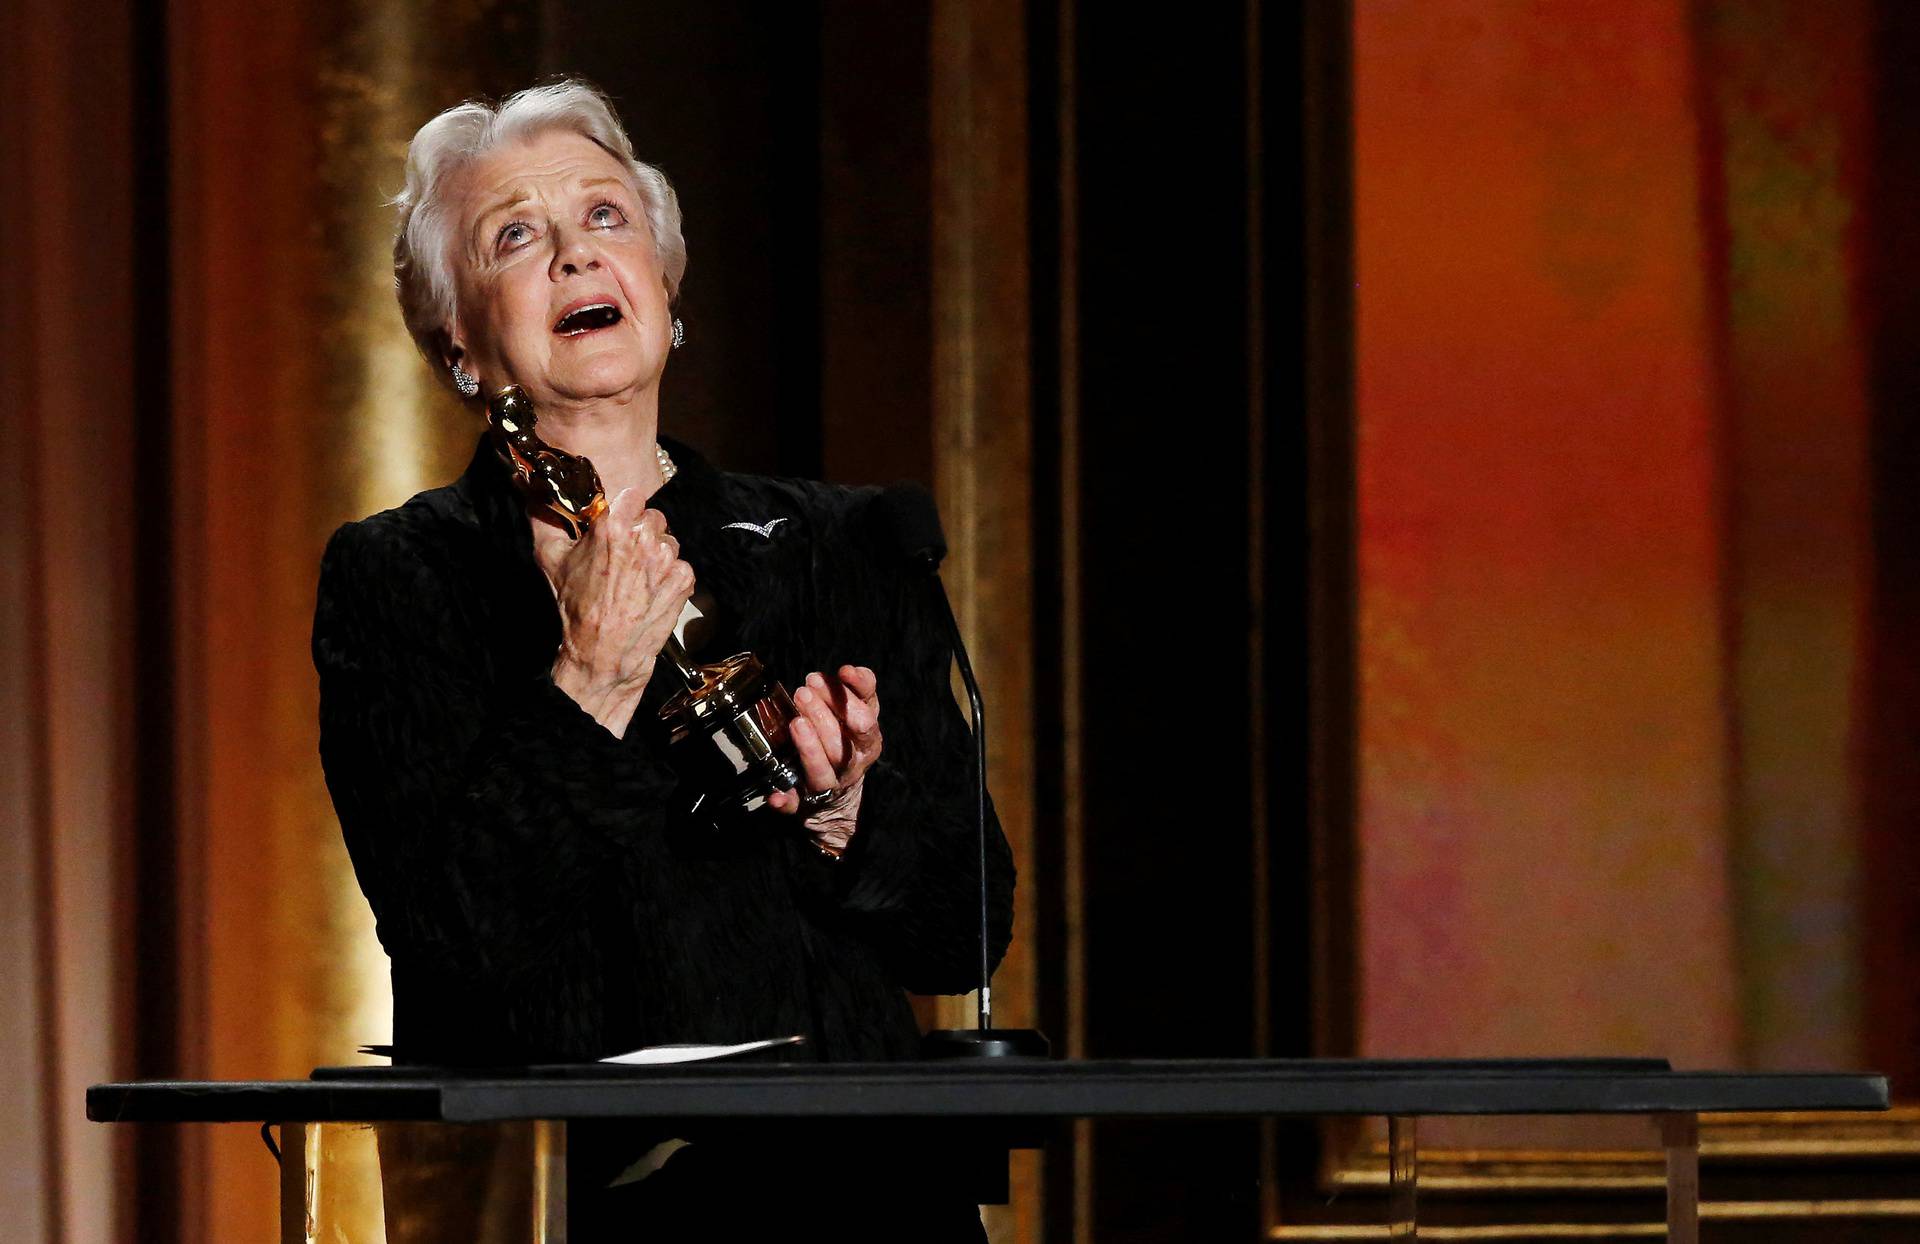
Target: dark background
[[800, 148]]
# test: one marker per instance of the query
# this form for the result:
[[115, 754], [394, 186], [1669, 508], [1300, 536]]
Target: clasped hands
[[836, 733], [621, 588]]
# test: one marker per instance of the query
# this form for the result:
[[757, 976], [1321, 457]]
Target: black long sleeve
[[530, 885], [476, 804]]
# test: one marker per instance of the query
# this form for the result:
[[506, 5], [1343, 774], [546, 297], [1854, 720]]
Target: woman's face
[[557, 286]]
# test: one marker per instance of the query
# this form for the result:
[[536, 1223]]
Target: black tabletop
[[989, 1089]]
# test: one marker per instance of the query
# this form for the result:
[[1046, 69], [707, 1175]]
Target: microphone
[[909, 523]]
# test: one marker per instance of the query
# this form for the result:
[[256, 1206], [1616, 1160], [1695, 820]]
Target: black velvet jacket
[[537, 900]]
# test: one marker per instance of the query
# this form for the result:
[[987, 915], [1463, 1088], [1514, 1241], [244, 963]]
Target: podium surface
[[987, 1090], [1003, 1102]]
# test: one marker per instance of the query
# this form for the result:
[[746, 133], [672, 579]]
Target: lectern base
[[424, 1182], [985, 1043]]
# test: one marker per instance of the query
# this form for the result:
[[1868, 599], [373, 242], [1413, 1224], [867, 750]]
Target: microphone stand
[[983, 1040]]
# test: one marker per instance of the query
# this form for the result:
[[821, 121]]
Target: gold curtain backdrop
[[68, 393], [300, 403]]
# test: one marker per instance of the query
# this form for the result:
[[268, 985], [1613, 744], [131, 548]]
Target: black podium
[[387, 1154]]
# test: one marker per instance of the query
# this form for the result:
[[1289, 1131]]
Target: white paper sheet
[[661, 1055]]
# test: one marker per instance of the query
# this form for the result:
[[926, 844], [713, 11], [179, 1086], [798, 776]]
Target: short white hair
[[422, 242]]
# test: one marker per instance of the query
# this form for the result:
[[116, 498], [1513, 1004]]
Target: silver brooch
[[764, 532]]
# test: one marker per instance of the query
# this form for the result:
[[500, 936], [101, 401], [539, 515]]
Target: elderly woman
[[489, 701]]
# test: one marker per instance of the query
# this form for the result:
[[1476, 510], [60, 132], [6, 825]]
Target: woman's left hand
[[837, 735]]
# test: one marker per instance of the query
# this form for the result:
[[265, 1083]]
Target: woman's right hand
[[620, 589]]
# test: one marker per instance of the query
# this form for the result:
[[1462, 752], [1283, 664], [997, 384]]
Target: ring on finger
[[814, 800]]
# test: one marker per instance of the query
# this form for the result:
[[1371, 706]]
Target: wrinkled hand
[[620, 589], [837, 735]]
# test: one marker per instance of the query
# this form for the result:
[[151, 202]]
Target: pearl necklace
[[665, 459]]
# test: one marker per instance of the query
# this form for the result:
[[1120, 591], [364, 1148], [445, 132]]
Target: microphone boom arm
[[980, 788]]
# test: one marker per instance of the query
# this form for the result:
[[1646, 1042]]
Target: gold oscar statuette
[[728, 722]]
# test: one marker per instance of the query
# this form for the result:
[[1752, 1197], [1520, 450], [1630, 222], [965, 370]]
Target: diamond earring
[[468, 386], [679, 333]]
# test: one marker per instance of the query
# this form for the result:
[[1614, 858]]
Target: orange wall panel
[[1543, 852]]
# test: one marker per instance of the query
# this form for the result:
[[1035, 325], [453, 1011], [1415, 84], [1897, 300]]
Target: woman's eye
[[606, 215], [512, 235]]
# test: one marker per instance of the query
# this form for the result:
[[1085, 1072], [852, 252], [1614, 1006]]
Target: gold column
[[982, 443], [299, 404], [1072, 1042]]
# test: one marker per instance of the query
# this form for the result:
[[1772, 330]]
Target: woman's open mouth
[[586, 319]]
